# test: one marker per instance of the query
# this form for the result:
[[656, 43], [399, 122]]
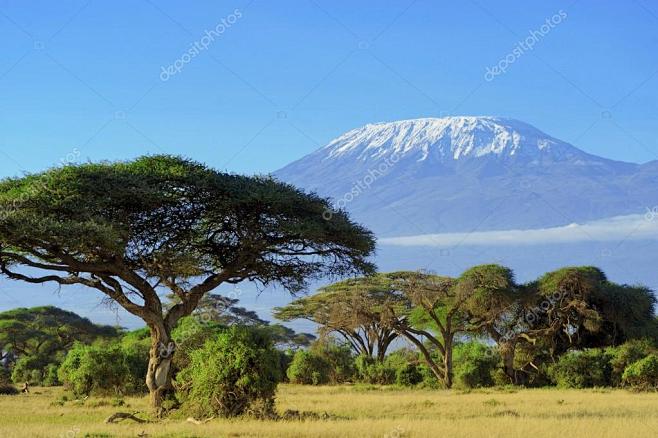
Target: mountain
[[458, 174]]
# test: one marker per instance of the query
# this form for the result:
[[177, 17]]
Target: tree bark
[[447, 362], [507, 352], [159, 373]]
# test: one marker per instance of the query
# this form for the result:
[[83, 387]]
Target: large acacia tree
[[137, 230]]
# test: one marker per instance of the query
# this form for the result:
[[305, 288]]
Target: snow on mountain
[[447, 138], [459, 174]]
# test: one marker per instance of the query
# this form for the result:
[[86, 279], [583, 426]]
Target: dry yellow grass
[[378, 412]]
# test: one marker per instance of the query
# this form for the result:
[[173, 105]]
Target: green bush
[[374, 372], [405, 364], [626, 354], [475, 365], [408, 375], [34, 370], [582, 369], [232, 374], [104, 368], [50, 375], [339, 358], [308, 368], [191, 334], [643, 374]]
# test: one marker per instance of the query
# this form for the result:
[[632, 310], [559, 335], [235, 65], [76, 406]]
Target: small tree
[[349, 309], [132, 229], [309, 368]]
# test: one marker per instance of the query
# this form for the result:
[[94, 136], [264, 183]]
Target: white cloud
[[631, 227]]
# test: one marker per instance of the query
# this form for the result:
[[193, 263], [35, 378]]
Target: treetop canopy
[[170, 217]]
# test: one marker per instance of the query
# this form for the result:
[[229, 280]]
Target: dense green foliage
[[36, 370], [475, 365], [308, 368], [642, 374], [34, 341], [369, 370], [234, 373], [626, 354], [106, 368], [582, 369], [531, 325]]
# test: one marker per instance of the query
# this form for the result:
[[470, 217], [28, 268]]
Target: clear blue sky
[[285, 77]]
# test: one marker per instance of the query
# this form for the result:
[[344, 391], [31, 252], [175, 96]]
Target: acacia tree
[[573, 307], [351, 309], [45, 333], [496, 310], [133, 229], [371, 311], [221, 309], [429, 314]]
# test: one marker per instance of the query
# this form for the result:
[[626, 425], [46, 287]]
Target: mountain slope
[[463, 173]]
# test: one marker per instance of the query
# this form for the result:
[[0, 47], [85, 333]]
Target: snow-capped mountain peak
[[447, 138], [457, 174]]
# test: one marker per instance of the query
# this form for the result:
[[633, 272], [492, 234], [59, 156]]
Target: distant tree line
[[527, 333]]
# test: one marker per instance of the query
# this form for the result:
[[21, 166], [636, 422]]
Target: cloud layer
[[619, 228]]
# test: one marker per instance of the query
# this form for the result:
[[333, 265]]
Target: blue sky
[[82, 79]]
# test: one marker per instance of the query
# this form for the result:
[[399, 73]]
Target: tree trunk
[[159, 372], [507, 350], [438, 373], [447, 362]]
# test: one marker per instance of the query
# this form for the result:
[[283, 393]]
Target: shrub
[[33, 369], [371, 371], [50, 375], [626, 354], [474, 365], [582, 369], [6, 387], [105, 368], [405, 364], [643, 374], [234, 373], [408, 375], [339, 358], [308, 368], [191, 334]]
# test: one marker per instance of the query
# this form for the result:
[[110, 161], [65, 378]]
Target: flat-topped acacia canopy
[[129, 228]]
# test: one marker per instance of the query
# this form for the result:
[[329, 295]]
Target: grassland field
[[358, 411]]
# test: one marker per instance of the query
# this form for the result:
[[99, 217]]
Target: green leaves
[[168, 217]]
